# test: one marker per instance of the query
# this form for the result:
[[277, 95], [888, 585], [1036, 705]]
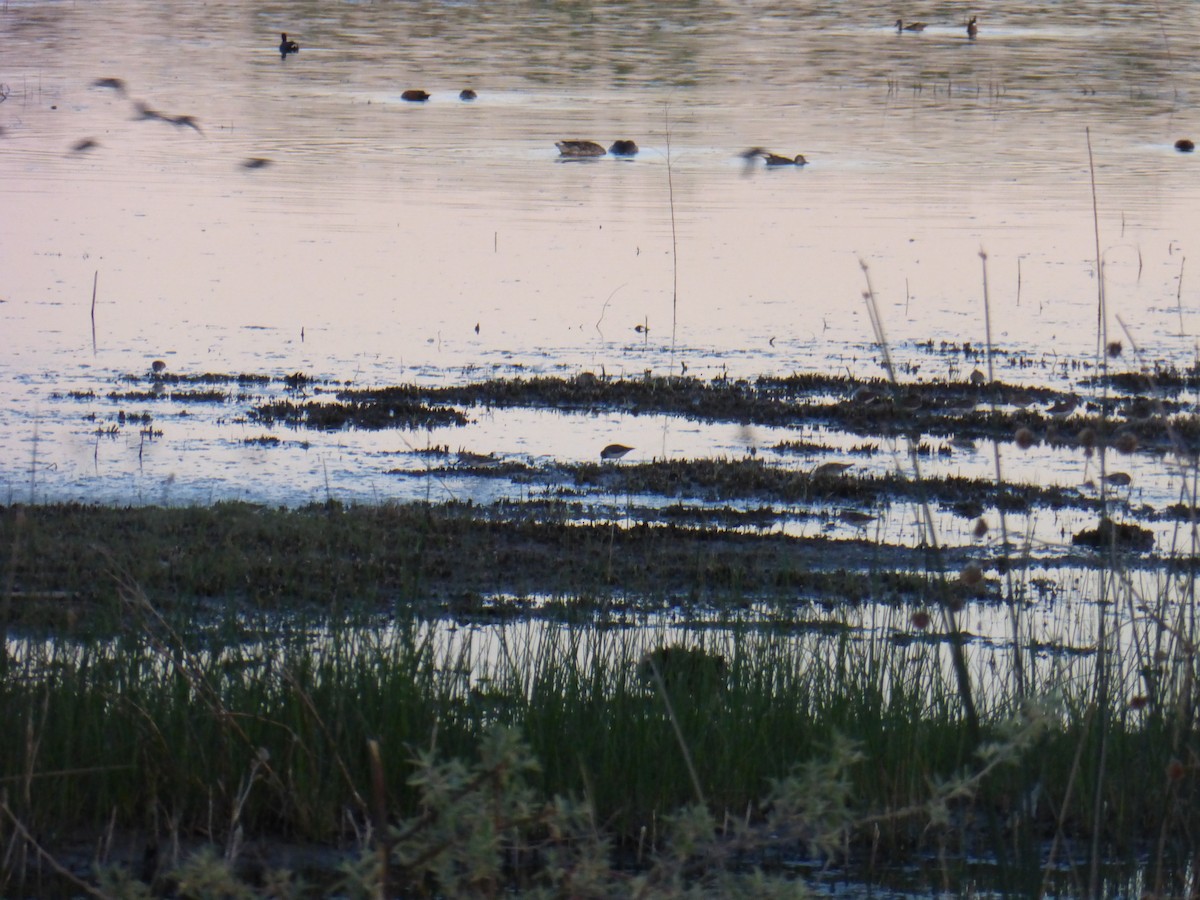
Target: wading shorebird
[[286, 46], [911, 26], [614, 451], [579, 149]]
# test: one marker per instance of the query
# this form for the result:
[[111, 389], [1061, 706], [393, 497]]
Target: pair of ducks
[[586, 149], [286, 47], [972, 27], [422, 96]]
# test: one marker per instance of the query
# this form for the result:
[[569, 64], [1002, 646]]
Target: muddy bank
[[68, 561]]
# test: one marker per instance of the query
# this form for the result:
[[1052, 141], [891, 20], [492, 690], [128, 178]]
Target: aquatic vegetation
[[410, 415]]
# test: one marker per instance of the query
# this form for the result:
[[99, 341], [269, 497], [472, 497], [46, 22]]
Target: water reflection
[[387, 238]]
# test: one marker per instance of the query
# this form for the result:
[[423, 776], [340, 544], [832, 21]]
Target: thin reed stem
[[674, 240], [95, 282], [1102, 655], [957, 653], [1010, 593]]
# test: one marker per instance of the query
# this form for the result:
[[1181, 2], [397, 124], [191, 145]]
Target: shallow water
[[388, 241]]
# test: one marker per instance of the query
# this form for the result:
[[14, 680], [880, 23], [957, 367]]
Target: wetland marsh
[[315, 581]]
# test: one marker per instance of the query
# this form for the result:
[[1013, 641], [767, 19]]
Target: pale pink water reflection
[[383, 232]]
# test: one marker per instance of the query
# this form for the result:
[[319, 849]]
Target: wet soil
[[698, 532]]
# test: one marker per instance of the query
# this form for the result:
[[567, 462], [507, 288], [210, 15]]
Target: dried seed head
[[920, 620], [971, 575], [1114, 348], [981, 527], [1024, 438], [1175, 770], [1086, 438]]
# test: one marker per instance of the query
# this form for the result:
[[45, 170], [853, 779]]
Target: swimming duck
[[467, 94], [415, 96], [115, 84], [972, 28], [579, 148], [774, 159], [911, 26], [1184, 145], [286, 46], [623, 148]]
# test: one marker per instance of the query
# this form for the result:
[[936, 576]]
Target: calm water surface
[[387, 241]]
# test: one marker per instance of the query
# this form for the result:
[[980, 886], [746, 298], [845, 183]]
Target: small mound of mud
[[1116, 534]]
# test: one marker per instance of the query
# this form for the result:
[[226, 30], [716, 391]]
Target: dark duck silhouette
[[579, 149], [623, 148], [911, 26], [286, 46], [773, 159]]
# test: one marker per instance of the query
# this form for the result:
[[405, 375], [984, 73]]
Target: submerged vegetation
[[656, 678], [463, 700]]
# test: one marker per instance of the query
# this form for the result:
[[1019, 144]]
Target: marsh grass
[[181, 679], [207, 733]]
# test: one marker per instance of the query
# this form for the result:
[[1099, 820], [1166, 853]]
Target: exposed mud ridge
[[1144, 409], [729, 480], [966, 410], [74, 562], [394, 412]]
